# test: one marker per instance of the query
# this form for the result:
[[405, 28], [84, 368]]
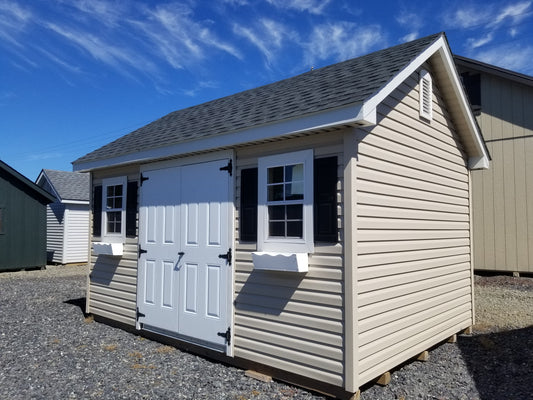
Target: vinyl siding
[[112, 290], [502, 195], [76, 242], [413, 233], [55, 222], [287, 320]]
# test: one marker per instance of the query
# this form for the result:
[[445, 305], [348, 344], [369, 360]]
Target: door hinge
[[141, 251], [228, 168], [226, 256], [226, 335], [143, 178], [140, 314]]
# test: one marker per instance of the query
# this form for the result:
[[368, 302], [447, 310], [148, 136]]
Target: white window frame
[[114, 237], [426, 95], [280, 244]]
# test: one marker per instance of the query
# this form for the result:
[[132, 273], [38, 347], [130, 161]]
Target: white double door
[[184, 279]]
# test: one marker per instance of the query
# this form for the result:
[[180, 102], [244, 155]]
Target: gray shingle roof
[[348, 82], [69, 185]]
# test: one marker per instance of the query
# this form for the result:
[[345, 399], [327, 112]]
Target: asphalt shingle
[[70, 185], [348, 82]]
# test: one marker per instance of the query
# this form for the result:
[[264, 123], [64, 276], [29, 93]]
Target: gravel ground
[[49, 350]]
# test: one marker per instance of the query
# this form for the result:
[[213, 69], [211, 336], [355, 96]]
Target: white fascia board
[[86, 202], [43, 175], [347, 115], [481, 158]]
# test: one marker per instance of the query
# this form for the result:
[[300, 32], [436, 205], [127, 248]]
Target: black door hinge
[[143, 178], [228, 168], [140, 314], [226, 335], [226, 256], [141, 251]]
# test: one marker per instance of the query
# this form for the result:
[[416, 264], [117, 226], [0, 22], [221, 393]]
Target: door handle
[[181, 253]]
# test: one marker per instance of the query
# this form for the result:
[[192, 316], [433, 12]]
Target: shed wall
[[112, 289], [287, 320], [413, 234], [55, 221], [502, 195], [23, 237]]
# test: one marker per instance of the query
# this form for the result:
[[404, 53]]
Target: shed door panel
[[205, 216], [157, 289]]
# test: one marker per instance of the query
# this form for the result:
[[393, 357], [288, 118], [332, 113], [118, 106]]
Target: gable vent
[[426, 95]]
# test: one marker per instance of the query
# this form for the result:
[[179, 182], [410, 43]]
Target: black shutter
[[131, 209], [97, 211], [325, 200], [248, 211]]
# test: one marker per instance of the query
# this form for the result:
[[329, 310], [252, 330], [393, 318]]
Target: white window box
[[291, 262], [108, 249]]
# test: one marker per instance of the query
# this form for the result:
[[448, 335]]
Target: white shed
[[316, 229], [67, 231]]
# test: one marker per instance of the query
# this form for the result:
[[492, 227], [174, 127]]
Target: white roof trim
[[475, 161], [347, 115], [43, 175]]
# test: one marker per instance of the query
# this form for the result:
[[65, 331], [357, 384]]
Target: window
[[426, 95], [114, 201], [324, 202], [285, 202]]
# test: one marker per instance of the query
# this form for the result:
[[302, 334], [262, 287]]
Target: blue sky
[[76, 74]]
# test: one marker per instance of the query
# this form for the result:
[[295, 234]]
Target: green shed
[[22, 221]]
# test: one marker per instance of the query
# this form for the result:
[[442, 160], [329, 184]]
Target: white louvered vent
[[426, 95]]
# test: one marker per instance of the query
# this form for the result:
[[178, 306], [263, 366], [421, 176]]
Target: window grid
[[285, 198], [114, 206]]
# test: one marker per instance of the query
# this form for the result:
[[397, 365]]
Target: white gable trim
[[476, 161], [43, 175]]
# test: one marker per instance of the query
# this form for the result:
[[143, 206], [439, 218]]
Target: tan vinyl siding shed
[[502, 195], [347, 216]]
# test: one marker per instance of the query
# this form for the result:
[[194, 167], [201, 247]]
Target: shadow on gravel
[[501, 364], [78, 303]]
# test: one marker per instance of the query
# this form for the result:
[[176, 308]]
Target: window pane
[[294, 191], [295, 211], [275, 193], [118, 190], [110, 191], [114, 219], [294, 173], [276, 213], [275, 175], [295, 229], [118, 202], [276, 229], [110, 203]]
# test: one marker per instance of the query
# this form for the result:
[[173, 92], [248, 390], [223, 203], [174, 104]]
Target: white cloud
[[409, 37], [13, 21], [108, 13], [514, 12], [341, 41], [177, 38], [268, 36], [311, 6], [516, 58], [110, 54], [478, 42], [489, 15]]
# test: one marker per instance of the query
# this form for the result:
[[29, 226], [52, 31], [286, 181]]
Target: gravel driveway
[[49, 350]]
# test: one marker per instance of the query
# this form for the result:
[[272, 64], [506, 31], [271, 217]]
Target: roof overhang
[[351, 115]]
